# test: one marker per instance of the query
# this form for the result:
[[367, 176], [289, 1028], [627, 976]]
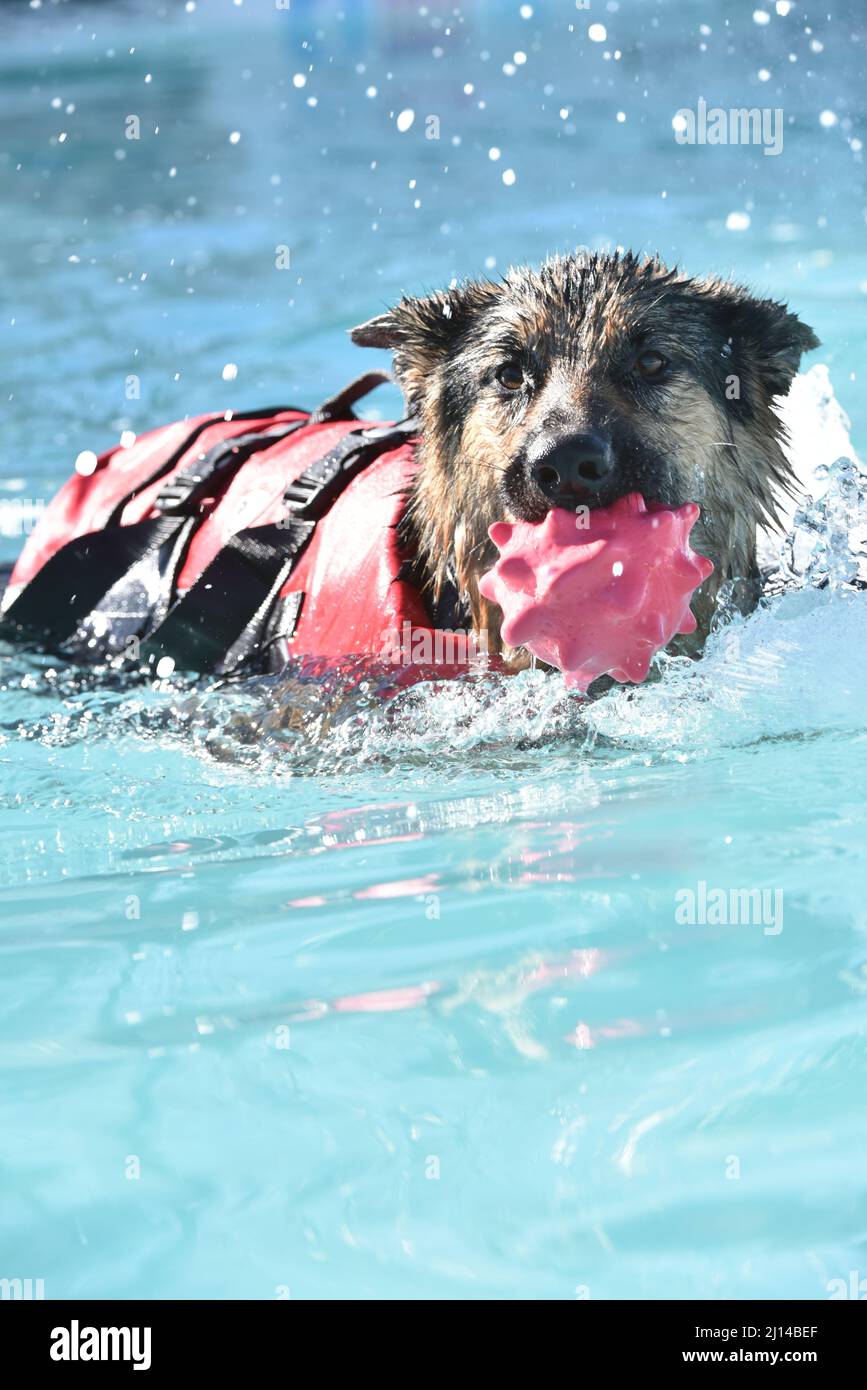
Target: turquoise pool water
[[415, 1007]]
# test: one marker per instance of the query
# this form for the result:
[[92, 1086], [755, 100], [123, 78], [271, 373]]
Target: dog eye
[[651, 364], [511, 376]]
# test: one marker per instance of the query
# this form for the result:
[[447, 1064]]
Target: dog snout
[[576, 468]]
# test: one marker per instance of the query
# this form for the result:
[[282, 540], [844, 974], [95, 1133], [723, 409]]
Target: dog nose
[[575, 467]]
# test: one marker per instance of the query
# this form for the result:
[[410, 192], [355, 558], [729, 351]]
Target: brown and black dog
[[592, 377]]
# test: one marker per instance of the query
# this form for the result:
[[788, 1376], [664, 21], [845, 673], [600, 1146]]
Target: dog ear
[[775, 339], [381, 332], [430, 321], [421, 331], [427, 322], [771, 338]]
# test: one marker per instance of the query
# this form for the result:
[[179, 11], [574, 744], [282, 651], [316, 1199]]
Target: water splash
[[827, 544], [794, 668]]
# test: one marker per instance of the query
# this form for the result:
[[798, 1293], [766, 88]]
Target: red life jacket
[[237, 542]]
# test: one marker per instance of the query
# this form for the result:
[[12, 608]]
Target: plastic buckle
[[302, 493], [176, 494]]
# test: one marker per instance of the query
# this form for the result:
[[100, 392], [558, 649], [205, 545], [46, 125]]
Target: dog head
[[589, 378]]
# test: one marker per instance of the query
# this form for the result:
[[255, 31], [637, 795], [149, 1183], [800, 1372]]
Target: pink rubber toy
[[600, 597]]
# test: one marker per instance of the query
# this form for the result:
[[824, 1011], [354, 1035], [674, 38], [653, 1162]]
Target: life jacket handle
[[339, 406]]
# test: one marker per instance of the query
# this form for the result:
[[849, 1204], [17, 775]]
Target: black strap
[[174, 459], [238, 586], [184, 492], [220, 620], [311, 494], [86, 577], [86, 573], [75, 578], [280, 627], [139, 599]]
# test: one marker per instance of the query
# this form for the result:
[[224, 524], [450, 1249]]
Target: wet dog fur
[[573, 384]]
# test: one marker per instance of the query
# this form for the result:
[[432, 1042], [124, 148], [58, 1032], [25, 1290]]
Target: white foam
[[818, 431]]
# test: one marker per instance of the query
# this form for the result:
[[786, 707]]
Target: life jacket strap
[[170, 463], [183, 494], [104, 588], [73, 582], [213, 627], [310, 495], [224, 617]]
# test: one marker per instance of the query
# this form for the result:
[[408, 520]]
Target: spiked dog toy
[[597, 598]]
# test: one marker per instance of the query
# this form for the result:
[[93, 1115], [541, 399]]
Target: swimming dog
[[576, 383]]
